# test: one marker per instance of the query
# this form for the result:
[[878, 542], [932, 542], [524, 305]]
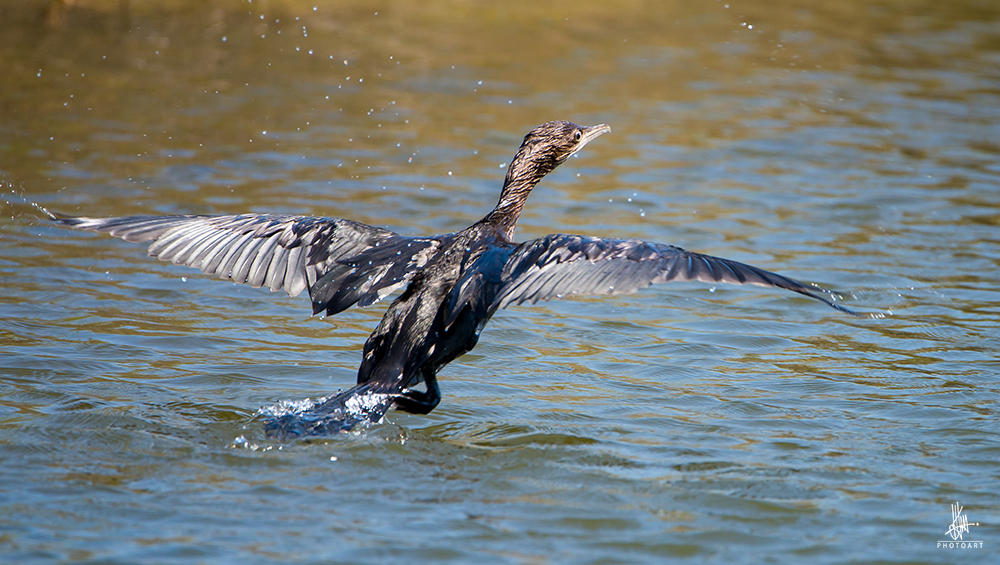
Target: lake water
[[852, 144]]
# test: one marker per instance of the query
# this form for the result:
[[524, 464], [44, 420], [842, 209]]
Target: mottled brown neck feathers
[[543, 149]]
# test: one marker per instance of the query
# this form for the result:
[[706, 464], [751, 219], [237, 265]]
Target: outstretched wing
[[281, 252], [558, 265]]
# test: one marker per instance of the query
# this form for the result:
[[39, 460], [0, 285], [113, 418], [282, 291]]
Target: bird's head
[[549, 145], [543, 149]]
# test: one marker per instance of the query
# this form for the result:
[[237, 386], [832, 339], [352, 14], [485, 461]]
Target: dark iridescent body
[[453, 283]]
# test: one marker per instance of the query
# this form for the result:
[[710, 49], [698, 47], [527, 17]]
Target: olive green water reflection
[[849, 143]]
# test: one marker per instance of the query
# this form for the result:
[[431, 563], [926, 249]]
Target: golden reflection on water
[[850, 143]]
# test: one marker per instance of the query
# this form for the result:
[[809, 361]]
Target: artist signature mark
[[959, 527]]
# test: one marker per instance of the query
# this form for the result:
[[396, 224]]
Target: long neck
[[523, 174]]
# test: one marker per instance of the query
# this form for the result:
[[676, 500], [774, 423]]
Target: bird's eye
[[577, 136]]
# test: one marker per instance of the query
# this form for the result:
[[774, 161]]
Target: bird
[[451, 284]]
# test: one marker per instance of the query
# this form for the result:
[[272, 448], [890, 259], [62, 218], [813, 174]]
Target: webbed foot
[[420, 402]]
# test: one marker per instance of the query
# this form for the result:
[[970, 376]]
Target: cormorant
[[453, 283]]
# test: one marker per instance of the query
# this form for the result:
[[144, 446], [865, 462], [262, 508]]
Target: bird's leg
[[417, 402]]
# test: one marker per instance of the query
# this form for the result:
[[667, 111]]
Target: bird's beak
[[591, 133]]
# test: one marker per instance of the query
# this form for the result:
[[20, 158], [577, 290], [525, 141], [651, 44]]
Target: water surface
[[851, 144]]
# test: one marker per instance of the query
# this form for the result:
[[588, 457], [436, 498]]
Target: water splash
[[346, 411], [16, 198], [835, 295]]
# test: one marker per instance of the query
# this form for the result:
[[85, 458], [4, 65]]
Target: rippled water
[[850, 144]]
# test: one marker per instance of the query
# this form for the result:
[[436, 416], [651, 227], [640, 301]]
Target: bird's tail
[[361, 405]]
